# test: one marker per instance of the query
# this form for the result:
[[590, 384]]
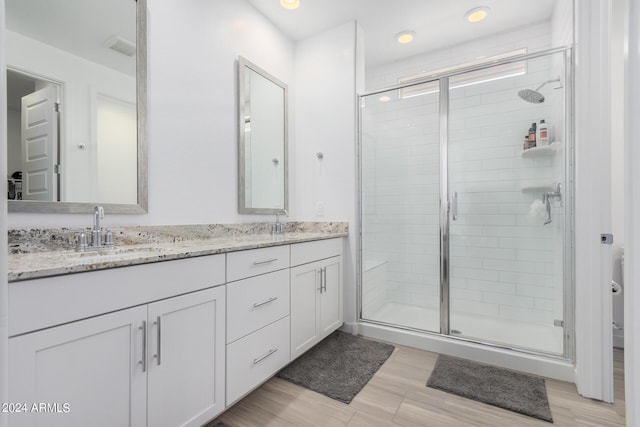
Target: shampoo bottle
[[543, 133], [532, 135]]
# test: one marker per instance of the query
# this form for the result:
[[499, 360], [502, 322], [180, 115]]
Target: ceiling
[[437, 23], [77, 26]]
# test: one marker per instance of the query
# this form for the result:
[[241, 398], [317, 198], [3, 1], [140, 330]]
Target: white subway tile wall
[[505, 264]]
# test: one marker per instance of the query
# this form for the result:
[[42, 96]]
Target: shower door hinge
[[606, 239], [558, 322]]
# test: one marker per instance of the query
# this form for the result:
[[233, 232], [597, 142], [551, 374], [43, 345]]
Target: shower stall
[[465, 217]]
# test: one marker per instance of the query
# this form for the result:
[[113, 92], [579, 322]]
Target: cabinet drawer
[[255, 358], [256, 302], [303, 253], [41, 303], [256, 261]]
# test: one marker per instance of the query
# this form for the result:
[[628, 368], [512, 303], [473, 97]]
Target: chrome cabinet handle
[[454, 207], [324, 279], [258, 304], [143, 362], [158, 337], [320, 273], [266, 261], [261, 358]]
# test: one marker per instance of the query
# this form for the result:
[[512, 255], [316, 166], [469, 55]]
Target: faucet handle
[[108, 239], [82, 241]]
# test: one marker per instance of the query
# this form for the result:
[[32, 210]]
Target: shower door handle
[[454, 206]]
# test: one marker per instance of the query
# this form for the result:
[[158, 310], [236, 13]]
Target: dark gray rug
[[339, 366], [521, 393]]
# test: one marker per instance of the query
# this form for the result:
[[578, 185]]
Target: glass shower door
[[400, 195], [507, 215]]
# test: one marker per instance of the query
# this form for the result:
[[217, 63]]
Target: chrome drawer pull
[[266, 261], [258, 304], [158, 337], [143, 362], [260, 359]]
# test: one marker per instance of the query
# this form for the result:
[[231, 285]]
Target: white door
[[39, 137], [186, 356], [331, 297], [86, 373], [305, 289]]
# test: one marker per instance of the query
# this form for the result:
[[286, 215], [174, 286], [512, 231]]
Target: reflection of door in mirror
[[32, 137]]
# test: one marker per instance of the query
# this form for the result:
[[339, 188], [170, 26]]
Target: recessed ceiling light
[[290, 4], [405, 37], [477, 14], [384, 98]]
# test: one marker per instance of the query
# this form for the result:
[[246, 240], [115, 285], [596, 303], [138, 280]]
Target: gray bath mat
[[339, 366], [506, 389]]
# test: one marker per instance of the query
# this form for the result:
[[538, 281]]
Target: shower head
[[531, 96], [534, 96]]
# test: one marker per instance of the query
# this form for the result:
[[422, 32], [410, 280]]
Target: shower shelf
[[542, 151], [538, 186]]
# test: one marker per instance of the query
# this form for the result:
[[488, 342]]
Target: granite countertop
[[43, 253]]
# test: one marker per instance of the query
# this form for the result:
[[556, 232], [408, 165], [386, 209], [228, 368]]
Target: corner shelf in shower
[[538, 186], [542, 151]]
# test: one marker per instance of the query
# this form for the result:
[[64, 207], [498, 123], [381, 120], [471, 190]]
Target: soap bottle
[[532, 135], [543, 133], [525, 145]]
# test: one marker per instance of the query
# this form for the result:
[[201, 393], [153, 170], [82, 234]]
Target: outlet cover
[[319, 209]]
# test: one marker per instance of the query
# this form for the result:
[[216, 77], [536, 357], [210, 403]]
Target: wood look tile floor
[[397, 396]]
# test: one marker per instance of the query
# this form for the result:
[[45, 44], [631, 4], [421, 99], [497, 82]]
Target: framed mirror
[[262, 141], [76, 98]]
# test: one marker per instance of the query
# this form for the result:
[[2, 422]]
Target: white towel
[[538, 209]]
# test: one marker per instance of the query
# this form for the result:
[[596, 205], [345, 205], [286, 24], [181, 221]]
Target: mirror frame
[[244, 64], [141, 106]]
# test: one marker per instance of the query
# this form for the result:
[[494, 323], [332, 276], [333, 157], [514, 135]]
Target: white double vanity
[[145, 343]]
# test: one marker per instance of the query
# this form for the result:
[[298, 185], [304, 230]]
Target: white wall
[[325, 121], [192, 111], [80, 79]]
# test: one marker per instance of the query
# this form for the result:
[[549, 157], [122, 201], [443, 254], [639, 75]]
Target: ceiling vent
[[121, 45]]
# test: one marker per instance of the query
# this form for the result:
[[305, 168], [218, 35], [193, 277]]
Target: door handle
[[324, 279], [143, 362], [158, 337], [454, 206]]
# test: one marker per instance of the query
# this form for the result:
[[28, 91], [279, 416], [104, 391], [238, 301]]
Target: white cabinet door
[[316, 303], [305, 291], [331, 316], [86, 373], [186, 350]]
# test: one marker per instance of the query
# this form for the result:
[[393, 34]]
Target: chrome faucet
[[96, 234], [277, 227]]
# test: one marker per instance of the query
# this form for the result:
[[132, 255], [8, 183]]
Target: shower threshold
[[505, 332]]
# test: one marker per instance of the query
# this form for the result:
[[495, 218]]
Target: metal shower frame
[[569, 239]]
